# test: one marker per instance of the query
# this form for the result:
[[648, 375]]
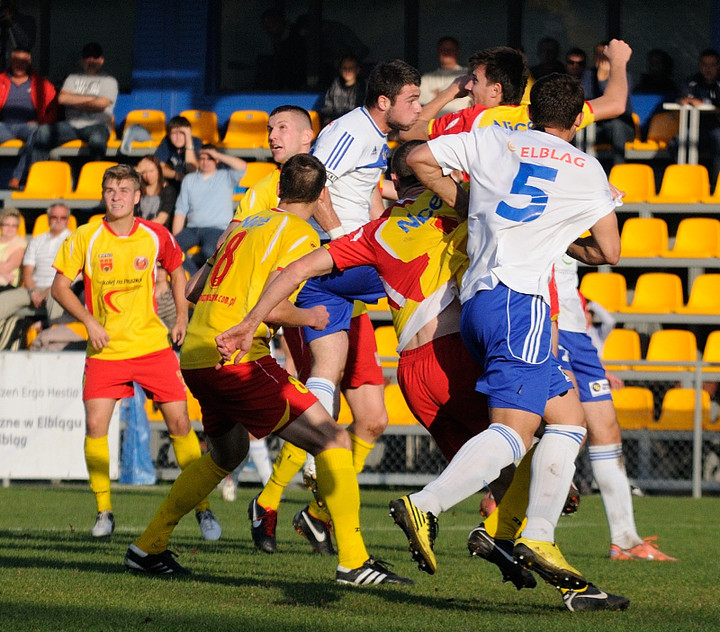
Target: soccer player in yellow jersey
[[251, 392], [127, 341]]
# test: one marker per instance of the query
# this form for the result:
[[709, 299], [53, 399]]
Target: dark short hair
[[92, 49], [576, 52], [177, 121], [293, 108], [506, 66], [302, 179], [555, 101], [710, 52], [448, 38], [122, 172], [398, 163], [388, 79]]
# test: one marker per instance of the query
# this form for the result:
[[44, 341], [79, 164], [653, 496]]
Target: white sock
[[324, 390], [476, 464], [553, 467], [608, 466], [260, 456]]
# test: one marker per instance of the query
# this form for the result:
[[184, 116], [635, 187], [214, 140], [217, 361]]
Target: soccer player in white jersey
[[531, 195], [578, 355]]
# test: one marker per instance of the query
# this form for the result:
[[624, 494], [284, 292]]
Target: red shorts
[[438, 381], [259, 395]]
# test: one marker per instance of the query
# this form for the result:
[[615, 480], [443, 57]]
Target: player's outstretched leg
[[546, 559], [263, 522], [499, 552], [315, 530], [647, 551], [420, 528], [592, 598]]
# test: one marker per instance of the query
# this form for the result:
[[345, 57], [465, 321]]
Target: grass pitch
[[55, 576]]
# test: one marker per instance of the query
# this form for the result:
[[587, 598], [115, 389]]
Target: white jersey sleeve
[[572, 311]]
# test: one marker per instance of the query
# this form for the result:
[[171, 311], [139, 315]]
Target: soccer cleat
[[315, 530], [159, 564], [310, 480], [546, 559], [500, 553], [228, 489], [262, 526], [648, 551], [104, 524], [420, 529], [572, 502], [371, 572], [209, 526], [592, 598]]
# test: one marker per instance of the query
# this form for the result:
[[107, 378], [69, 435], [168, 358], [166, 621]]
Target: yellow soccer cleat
[[420, 529], [546, 559]]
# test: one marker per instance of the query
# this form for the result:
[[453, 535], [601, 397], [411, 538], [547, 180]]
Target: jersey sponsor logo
[[552, 154], [415, 220], [509, 125], [254, 220], [141, 263], [106, 262], [599, 387]]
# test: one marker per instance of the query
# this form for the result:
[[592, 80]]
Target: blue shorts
[[509, 335], [579, 355], [338, 291]]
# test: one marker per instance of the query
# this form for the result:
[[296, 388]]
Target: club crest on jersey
[[141, 263], [106, 262]]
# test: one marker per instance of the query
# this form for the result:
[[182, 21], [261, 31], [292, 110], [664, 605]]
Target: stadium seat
[[42, 224], [663, 127], [47, 180], [194, 411], [711, 351], [380, 306], [344, 415], [247, 129], [704, 296], [387, 343], [89, 185], [634, 407], [683, 184], [398, 412], [656, 293], [315, 120], [643, 237], [74, 325], [607, 288], [635, 179], [204, 124], [696, 237], [153, 121], [708, 199], [623, 346], [671, 345], [678, 410], [256, 171]]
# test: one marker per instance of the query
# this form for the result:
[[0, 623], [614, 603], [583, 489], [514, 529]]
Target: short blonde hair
[[10, 212]]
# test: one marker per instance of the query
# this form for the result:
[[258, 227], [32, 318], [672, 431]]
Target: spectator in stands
[[658, 79], [178, 151], [16, 30], [704, 88], [576, 66], [346, 92], [448, 52], [37, 270], [204, 207], [616, 131], [157, 198], [26, 100], [89, 99], [12, 249], [548, 54]]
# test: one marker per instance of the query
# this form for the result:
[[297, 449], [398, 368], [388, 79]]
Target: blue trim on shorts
[[579, 355]]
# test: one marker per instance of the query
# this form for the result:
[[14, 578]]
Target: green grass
[[54, 576]]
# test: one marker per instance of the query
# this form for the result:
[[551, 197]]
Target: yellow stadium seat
[[194, 411], [153, 121], [607, 288], [683, 184], [711, 351], [247, 129], [634, 407], [42, 224], [387, 343], [256, 171], [704, 296], [663, 127], [635, 179], [315, 120], [204, 124], [656, 293], [153, 412], [380, 306], [89, 186], [671, 345], [14, 143], [398, 412], [643, 237], [678, 410], [621, 346], [708, 199], [345, 414], [47, 180], [696, 237]]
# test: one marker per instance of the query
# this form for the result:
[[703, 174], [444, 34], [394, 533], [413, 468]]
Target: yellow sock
[[97, 459], [506, 522], [316, 511], [287, 464], [195, 482], [337, 483], [360, 451], [187, 449]]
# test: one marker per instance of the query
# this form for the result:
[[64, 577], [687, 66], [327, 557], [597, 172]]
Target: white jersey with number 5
[[531, 195]]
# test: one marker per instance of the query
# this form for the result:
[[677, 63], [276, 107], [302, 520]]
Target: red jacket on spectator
[[42, 93]]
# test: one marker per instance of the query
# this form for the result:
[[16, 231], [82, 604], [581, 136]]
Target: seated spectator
[[548, 54], [448, 53], [576, 65], [177, 151], [37, 270], [704, 88], [12, 249], [346, 92], [204, 207], [658, 79], [16, 30], [26, 100], [89, 100], [157, 198]]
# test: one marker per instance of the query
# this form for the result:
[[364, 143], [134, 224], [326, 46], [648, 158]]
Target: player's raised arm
[[613, 101]]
